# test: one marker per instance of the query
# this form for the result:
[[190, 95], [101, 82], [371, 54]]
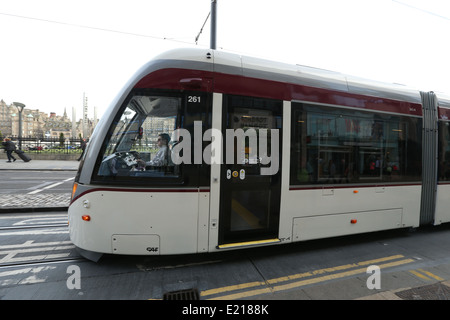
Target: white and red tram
[[205, 151]]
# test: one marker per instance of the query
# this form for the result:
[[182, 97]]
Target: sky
[[53, 52]]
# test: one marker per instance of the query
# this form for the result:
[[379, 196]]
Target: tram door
[[249, 196]]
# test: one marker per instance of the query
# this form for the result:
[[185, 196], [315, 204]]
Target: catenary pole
[[213, 23]]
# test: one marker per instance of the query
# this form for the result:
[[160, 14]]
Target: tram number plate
[[194, 99]]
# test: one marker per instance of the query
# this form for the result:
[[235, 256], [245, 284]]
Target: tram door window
[[250, 199], [140, 145]]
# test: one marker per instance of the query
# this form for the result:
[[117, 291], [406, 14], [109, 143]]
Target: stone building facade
[[38, 124]]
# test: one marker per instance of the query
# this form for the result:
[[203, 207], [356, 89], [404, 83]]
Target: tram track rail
[[41, 262], [55, 225], [29, 253]]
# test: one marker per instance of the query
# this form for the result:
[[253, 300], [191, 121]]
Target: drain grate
[[431, 292], [188, 294]]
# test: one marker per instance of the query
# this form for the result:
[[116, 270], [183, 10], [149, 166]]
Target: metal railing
[[47, 145]]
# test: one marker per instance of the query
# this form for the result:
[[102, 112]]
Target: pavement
[[36, 202]]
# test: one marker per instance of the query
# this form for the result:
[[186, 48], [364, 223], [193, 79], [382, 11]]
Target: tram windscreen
[[140, 139]]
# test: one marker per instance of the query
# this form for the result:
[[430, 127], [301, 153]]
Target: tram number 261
[[194, 99]]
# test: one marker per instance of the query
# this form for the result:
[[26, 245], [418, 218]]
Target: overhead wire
[[95, 28], [422, 10]]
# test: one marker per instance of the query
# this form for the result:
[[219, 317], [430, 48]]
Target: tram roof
[[444, 99], [231, 63]]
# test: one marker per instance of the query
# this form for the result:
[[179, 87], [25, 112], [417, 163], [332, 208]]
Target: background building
[[37, 124]]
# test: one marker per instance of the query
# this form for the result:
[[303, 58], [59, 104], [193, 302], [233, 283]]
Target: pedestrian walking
[[9, 147], [83, 147]]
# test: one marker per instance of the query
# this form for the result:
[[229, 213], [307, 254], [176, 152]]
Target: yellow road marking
[[337, 275], [333, 269], [431, 275], [306, 282], [427, 273], [419, 275], [231, 288], [302, 275]]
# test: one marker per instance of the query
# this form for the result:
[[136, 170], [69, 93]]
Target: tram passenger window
[[337, 146], [444, 151], [140, 141]]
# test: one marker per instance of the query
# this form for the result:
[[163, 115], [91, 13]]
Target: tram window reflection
[[139, 140]]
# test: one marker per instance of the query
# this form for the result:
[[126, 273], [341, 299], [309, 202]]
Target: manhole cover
[[435, 291], [188, 294]]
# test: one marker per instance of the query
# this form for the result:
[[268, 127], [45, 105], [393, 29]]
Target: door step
[[247, 244]]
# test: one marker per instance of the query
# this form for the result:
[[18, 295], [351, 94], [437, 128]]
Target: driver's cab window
[[141, 139]]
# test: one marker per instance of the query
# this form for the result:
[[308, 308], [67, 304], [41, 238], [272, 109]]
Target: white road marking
[[10, 258], [39, 185], [15, 216], [15, 252], [31, 273], [35, 191], [48, 187], [31, 243], [41, 221]]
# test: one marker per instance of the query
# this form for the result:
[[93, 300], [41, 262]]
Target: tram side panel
[[322, 213], [442, 204], [143, 223]]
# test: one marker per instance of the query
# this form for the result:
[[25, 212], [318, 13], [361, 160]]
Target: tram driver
[[162, 157]]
